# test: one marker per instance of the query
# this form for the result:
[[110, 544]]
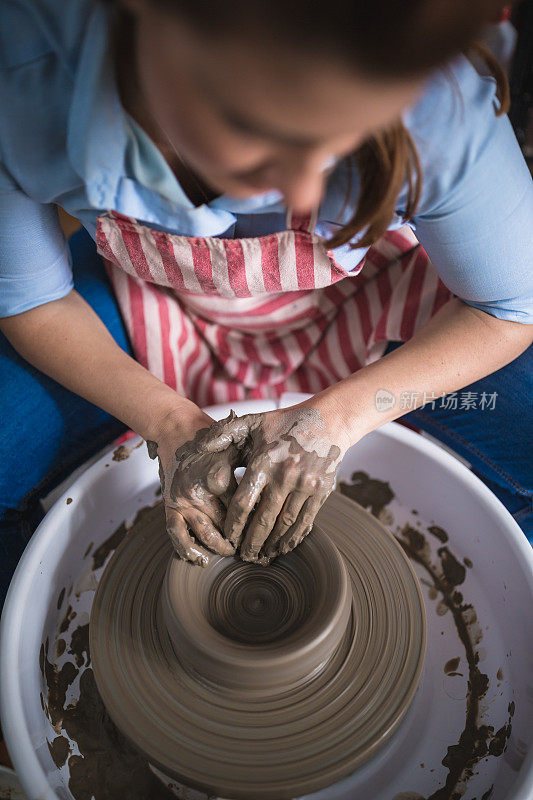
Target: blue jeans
[[47, 431]]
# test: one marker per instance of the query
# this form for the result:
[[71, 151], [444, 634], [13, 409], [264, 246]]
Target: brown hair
[[380, 38], [387, 159]]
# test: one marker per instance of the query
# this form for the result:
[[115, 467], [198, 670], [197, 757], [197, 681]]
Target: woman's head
[[260, 94]]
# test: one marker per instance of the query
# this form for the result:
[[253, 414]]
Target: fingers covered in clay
[[302, 526], [184, 544], [243, 501], [285, 522], [232, 430], [262, 521], [291, 460], [205, 531], [220, 479], [198, 482]]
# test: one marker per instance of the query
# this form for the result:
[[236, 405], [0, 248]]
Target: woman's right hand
[[197, 483]]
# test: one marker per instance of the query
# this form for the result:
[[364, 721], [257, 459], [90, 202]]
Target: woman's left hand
[[291, 458]]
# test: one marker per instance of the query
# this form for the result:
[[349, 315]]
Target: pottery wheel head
[[260, 682], [259, 629]]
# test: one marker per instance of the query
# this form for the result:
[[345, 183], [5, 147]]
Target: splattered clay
[[108, 767], [476, 740]]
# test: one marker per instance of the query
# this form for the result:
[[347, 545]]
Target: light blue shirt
[[65, 139]]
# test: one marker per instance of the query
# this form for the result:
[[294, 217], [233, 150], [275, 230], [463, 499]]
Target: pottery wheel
[[260, 683]]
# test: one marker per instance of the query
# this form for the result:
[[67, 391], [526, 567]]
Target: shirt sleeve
[[35, 265], [475, 218]]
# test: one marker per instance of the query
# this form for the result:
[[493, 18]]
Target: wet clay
[[58, 681], [291, 452], [255, 630], [368, 492], [288, 452], [107, 756], [59, 750], [439, 533], [476, 739], [108, 767], [233, 740], [107, 547], [196, 485], [450, 667], [121, 453], [67, 619], [79, 645]]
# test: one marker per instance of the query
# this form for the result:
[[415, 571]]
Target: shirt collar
[[97, 138]]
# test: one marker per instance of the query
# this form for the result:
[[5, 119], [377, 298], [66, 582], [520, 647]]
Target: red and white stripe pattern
[[290, 260], [222, 320]]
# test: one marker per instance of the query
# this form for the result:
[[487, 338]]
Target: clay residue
[[121, 453], [59, 750], [450, 666], [476, 740], [454, 572], [368, 492], [499, 740], [67, 619], [80, 644], [110, 544], [499, 674], [439, 533], [108, 767], [415, 538], [57, 681]]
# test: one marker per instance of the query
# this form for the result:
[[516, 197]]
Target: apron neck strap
[[302, 222]]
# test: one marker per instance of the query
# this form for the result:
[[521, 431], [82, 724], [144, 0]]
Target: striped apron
[[221, 320]]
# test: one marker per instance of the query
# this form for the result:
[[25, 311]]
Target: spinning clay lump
[[252, 682]]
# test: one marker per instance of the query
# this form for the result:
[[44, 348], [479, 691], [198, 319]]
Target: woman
[[245, 172]]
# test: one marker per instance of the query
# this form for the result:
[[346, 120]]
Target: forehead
[[259, 79]]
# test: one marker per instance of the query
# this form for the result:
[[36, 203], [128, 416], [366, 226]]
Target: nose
[[301, 180]]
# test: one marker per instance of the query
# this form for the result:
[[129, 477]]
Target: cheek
[[191, 124], [207, 142]]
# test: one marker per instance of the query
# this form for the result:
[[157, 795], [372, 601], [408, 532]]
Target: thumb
[[232, 430], [220, 477]]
